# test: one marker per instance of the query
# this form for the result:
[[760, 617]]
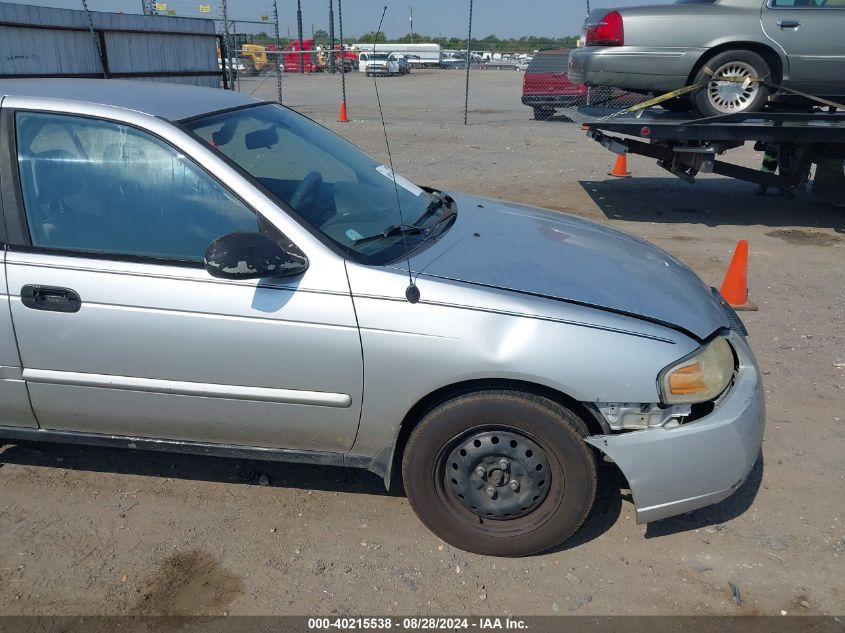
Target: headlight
[[699, 377]]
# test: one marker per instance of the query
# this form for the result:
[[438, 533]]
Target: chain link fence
[[451, 80], [302, 55]]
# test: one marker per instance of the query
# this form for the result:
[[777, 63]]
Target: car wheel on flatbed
[[502, 473], [738, 90]]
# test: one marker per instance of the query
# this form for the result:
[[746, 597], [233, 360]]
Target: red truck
[[349, 58], [315, 61], [305, 58]]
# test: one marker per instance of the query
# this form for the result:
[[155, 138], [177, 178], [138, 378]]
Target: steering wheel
[[305, 190]]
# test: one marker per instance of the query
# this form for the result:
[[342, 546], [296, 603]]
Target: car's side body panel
[[15, 409], [813, 47], [646, 69], [232, 362], [458, 333]]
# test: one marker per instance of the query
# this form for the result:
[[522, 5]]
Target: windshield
[[378, 56], [332, 185]]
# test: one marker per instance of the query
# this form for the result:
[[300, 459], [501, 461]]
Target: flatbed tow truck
[[686, 146]]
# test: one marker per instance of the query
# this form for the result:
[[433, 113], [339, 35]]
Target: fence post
[[227, 55], [342, 51], [331, 38], [299, 33], [97, 41], [469, 54], [279, 57]]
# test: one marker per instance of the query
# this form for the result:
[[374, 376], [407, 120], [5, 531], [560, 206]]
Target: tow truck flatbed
[[685, 145]]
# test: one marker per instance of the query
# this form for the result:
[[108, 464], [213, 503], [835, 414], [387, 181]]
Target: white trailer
[[418, 55]]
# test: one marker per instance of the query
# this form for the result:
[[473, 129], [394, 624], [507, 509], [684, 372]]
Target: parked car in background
[[402, 61], [424, 55], [453, 60], [236, 67], [378, 64], [546, 84], [719, 44]]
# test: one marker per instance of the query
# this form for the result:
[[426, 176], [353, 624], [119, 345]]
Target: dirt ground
[[91, 531]]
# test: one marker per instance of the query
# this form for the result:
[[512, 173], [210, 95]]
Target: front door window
[[98, 186]]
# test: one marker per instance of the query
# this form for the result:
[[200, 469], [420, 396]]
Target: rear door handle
[[50, 298], [789, 24]]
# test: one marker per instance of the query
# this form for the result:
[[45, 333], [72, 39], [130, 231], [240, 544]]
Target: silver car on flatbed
[[193, 270], [718, 44]]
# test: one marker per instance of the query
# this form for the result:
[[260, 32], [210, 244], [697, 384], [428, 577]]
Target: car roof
[[166, 100]]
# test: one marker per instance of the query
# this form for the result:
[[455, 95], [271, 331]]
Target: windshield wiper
[[442, 221], [415, 229], [433, 206], [392, 231]]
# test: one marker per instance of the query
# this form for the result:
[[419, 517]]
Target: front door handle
[[50, 298], [789, 24]]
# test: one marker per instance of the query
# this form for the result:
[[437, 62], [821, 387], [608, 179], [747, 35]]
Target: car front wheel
[[502, 473], [731, 84], [543, 113]]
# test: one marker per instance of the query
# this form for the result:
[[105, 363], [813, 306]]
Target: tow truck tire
[[720, 98], [501, 473]]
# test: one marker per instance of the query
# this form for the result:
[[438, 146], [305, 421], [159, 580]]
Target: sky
[[504, 18]]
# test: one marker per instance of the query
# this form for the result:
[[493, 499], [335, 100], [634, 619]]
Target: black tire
[[677, 105], [543, 113], [710, 101], [558, 495]]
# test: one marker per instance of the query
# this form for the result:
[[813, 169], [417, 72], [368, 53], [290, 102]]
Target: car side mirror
[[251, 255]]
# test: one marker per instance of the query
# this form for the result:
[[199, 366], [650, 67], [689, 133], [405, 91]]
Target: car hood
[[556, 255]]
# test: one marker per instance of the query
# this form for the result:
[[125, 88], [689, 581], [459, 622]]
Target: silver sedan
[[193, 270], [723, 45]]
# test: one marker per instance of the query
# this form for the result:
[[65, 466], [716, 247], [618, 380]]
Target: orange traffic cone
[[735, 286], [620, 168], [343, 118]]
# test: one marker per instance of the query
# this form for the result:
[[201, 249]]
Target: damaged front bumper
[[677, 470]]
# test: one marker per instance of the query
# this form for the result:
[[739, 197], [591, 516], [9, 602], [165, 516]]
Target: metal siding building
[[46, 42]]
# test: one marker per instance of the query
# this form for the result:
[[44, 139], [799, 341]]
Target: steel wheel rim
[[495, 474], [733, 95]]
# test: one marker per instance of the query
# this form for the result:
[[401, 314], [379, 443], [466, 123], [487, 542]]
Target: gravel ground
[[91, 531]]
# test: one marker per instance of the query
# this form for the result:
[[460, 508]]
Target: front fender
[[459, 333]]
